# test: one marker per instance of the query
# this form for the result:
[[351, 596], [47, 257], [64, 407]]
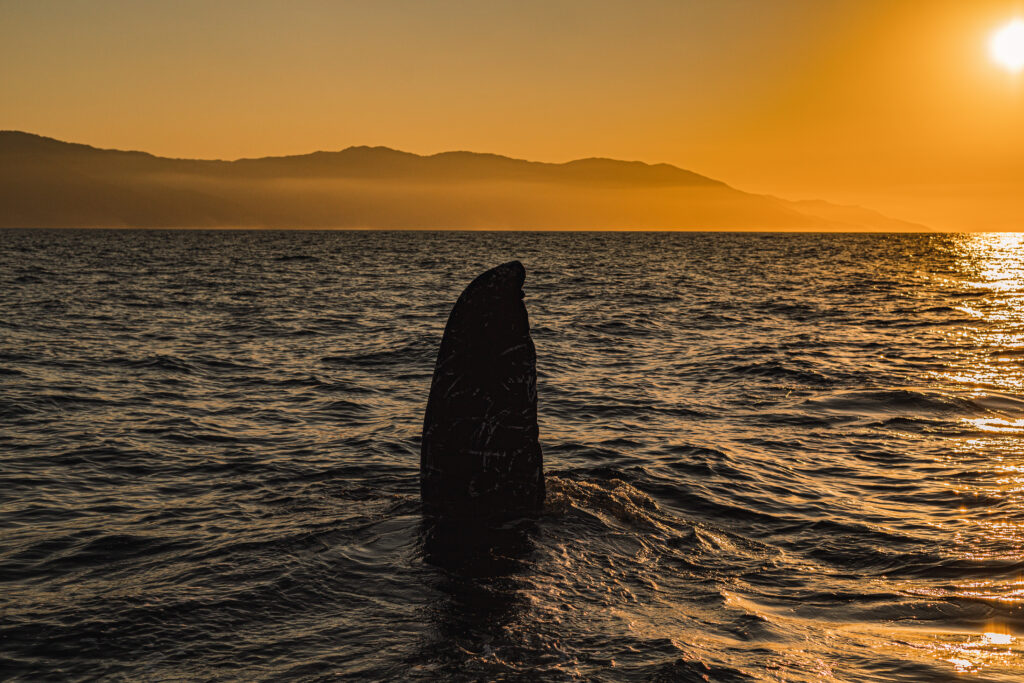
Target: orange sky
[[893, 104]]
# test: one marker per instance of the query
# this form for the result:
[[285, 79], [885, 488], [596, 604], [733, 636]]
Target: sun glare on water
[[1007, 46]]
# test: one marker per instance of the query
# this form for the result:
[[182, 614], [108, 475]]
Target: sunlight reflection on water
[[995, 263]]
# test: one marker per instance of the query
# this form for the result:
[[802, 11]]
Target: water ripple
[[770, 457]]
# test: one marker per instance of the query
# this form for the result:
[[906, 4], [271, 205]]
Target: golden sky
[[892, 104]]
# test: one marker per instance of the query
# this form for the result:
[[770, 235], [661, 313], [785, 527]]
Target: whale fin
[[480, 452]]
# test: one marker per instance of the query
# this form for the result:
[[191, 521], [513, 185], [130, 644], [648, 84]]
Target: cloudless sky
[[892, 104]]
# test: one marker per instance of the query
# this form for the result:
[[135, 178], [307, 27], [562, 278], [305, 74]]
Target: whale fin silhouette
[[480, 453]]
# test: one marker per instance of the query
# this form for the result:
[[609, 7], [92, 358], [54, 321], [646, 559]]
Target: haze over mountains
[[49, 183]]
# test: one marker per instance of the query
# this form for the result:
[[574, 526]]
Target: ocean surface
[[770, 457]]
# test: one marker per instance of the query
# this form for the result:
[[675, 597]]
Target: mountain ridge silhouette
[[46, 182]]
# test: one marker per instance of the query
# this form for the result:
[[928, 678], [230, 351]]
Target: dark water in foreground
[[770, 457]]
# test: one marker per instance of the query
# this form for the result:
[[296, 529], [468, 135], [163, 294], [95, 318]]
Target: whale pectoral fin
[[480, 448]]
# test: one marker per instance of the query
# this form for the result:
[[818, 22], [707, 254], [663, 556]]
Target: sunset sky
[[892, 104]]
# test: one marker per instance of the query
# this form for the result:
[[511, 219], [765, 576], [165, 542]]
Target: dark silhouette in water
[[480, 453], [480, 597]]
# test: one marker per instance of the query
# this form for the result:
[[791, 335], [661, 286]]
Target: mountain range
[[49, 183]]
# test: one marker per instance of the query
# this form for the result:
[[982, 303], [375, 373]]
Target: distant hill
[[49, 183]]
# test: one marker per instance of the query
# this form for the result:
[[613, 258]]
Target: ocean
[[770, 457]]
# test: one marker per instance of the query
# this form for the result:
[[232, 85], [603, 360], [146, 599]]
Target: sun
[[1007, 46]]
